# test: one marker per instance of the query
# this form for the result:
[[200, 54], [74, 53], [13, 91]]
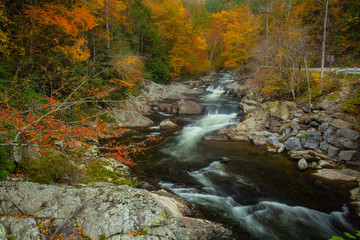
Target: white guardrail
[[346, 71]]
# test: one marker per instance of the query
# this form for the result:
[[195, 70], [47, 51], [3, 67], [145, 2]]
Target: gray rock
[[324, 146], [189, 107], [355, 194], [287, 131], [314, 135], [338, 142], [299, 113], [311, 144], [21, 228], [302, 164], [350, 134], [323, 127], [331, 139], [328, 132], [347, 155], [309, 155], [293, 144], [3, 233], [326, 164], [335, 175], [125, 119], [333, 151], [168, 108], [274, 141], [258, 140], [305, 120], [315, 124], [321, 118], [336, 123], [286, 136], [102, 208], [281, 149], [167, 124], [346, 143]]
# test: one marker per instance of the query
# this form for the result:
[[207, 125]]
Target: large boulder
[[189, 107], [292, 144], [100, 210], [282, 110], [20, 228], [350, 134], [346, 155], [336, 175], [128, 119], [168, 108], [167, 124]]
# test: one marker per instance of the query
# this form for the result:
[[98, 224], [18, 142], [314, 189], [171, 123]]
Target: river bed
[[260, 195]]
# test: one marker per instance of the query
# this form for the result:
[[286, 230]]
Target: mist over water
[[260, 193]]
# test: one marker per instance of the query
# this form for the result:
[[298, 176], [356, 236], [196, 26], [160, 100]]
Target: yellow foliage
[[237, 32], [186, 46], [77, 52]]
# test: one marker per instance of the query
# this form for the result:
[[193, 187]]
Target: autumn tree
[[185, 46], [232, 36], [279, 57]]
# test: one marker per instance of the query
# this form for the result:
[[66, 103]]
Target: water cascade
[[260, 193]]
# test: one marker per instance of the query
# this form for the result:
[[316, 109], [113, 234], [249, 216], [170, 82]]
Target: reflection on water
[[262, 195]]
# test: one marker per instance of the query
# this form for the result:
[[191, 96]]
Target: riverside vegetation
[[77, 75]]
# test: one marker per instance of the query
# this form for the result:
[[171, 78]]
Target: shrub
[[159, 71], [51, 167], [332, 85], [96, 172], [6, 164], [352, 104]]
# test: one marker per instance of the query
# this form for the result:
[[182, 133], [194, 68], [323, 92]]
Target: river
[[260, 195]]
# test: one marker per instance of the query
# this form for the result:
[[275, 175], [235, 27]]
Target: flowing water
[[261, 195]]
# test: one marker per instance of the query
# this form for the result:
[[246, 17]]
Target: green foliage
[[332, 85], [51, 167], [159, 71], [331, 97], [6, 165], [347, 236], [96, 172], [352, 104], [102, 237], [304, 136]]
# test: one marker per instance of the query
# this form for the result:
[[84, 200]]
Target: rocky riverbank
[[104, 210], [325, 140], [98, 211]]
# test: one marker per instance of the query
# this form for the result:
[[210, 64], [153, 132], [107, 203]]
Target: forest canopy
[[62, 61]]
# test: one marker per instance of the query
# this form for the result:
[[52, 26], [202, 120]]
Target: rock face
[[189, 107], [167, 124], [132, 120], [101, 209], [336, 175]]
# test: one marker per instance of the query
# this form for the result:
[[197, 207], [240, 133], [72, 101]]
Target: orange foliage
[[71, 24], [186, 46]]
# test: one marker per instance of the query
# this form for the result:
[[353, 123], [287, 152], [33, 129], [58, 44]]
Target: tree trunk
[[324, 46], [308, 84]]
